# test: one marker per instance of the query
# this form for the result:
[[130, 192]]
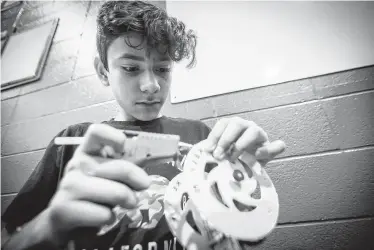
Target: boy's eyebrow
[[164, 59], [140, 58], [132, 57]]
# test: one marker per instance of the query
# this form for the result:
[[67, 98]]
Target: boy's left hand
[[231, 136]]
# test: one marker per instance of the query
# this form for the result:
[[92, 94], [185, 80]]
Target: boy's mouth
[[149, 106], [149, 103]]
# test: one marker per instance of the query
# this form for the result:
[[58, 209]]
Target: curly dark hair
[[167, 34]]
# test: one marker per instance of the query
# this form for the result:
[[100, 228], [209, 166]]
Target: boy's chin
[[147, 117]]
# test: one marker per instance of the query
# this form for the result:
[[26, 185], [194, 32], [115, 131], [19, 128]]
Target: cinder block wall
[[325, 180]]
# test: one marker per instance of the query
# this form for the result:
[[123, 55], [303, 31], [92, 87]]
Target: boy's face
[[140, 78]]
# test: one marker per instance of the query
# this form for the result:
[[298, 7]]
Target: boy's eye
[[164, 70], [130, 68]]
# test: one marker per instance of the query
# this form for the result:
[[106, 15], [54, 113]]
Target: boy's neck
[[122, 117]]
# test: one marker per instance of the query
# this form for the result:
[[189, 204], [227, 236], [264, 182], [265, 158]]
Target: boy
[[70, 195]]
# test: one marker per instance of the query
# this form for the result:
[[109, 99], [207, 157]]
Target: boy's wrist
[[52, 236], [40, 233]]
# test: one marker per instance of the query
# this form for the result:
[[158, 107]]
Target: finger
[[124, 172], [82, 162], [100, 135], [271, 150], [215, 134], [249, 141], [76, 214], [202, 144], [116, 170], [77, 186], [231, 133]]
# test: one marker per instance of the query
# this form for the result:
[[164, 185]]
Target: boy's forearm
[[36, 234]]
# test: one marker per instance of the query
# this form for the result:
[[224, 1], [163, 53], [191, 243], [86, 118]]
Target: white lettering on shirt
[[138, 247], [152, 245], [166, 244]]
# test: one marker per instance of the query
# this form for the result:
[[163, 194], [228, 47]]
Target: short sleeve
[[37, 191], [202, 129], [206, 130]]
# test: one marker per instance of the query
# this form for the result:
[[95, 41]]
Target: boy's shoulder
[[187, 121], [80, 128], [191, 131], [77, 129]]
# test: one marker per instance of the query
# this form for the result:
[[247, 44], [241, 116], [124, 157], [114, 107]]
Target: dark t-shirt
[[141, 228]]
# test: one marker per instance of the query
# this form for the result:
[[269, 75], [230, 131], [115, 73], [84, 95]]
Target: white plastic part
[[177, 207], [223, 195]]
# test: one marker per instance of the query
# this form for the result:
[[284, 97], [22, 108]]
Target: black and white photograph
[[187, 125]]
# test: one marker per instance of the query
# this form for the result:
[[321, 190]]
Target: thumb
[[271, 150], [205, 145]]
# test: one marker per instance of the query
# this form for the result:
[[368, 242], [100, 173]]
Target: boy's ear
[[101, 72]]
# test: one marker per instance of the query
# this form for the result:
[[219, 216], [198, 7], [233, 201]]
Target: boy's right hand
[[90, 188]]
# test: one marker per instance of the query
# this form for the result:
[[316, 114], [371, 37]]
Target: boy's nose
[[149, 83]]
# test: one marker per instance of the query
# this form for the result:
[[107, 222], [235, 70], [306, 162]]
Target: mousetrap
[[211, 204]]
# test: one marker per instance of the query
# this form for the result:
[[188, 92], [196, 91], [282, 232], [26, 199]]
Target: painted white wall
[[244, 45]]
